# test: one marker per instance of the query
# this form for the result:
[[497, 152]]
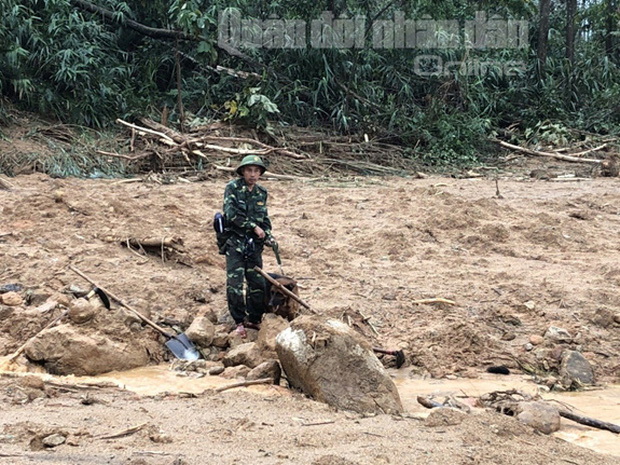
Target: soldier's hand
[[259, 232]]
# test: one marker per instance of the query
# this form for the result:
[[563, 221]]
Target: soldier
[[245, 211]]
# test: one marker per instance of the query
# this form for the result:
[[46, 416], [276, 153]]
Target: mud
[[546, 254]]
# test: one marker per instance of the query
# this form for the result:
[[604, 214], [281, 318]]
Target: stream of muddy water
[[602, 404]]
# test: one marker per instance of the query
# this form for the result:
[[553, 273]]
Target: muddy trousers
[[238, 268]]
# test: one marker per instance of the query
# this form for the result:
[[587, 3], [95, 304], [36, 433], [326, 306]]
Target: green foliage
[[62, 61]]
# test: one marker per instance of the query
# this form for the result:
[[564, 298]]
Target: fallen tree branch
[[547, 154], [592, 422], [127, 432], [245, 383], [5, 185], [437, 300], [111, 18], [146, 130]]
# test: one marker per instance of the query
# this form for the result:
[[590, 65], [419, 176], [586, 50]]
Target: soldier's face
[[251, 174]]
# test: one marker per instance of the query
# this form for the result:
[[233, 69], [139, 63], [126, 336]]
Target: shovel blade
[[183, 348]]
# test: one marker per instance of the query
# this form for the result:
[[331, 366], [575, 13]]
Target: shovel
[[179, 345]]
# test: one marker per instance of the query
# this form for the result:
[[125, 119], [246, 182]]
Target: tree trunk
[[543, 33], [609, 38], [571, 11]]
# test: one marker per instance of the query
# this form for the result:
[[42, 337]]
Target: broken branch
[[127, 432], [593, 422], [437, 300], [245, 383], [548, 154]]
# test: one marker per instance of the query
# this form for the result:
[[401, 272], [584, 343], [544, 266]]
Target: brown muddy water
[[601, 403]]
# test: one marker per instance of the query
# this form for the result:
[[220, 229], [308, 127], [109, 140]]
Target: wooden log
[[245, 383], [594, 423], [557, 156], [5, 185]]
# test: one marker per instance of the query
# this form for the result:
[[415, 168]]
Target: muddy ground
[[544, 254]]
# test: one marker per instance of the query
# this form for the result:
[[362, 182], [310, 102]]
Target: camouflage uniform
[[244, 210]]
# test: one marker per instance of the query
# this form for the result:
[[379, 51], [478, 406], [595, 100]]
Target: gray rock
[[54, 440], [558, 335], [575, 370], [201, 331], [539, 415], [247, 354], [217, 370], [269, 369], [330, 362]]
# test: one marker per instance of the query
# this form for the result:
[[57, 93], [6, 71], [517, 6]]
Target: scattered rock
[[603, 317], [81, 311], [240, 371], [529, 305], [217, 370], [557, 335], [271, 326], [201, 331], [269, 369], [444, 416], [528, 346], [12, 299], [12, 287], [247, 354], [536, 339], [54, 440], [65, 350], [220, 340], [330, 362], [539, 415], [575, 370], [36, 298], [509, 336]]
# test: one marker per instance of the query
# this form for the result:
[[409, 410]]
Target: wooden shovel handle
[[149, 322], [282, 288]]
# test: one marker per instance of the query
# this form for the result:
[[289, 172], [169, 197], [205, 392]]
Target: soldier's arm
[[233, 211]]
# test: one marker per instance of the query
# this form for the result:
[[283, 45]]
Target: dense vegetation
[[90, 62]]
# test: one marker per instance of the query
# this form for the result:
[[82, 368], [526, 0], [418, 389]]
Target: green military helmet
[[251, 160]]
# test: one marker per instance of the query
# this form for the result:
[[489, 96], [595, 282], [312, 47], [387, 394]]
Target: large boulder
[[201, 331], [66, 350], [330, 362]]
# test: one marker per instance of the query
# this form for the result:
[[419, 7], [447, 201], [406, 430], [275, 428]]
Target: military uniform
[[245, 209]]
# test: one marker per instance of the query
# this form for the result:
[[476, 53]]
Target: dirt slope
[[544, 254]]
